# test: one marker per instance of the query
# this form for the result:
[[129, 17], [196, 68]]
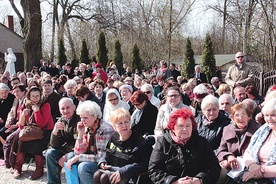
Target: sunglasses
[[147, 92], [240, 57], [112, 99]]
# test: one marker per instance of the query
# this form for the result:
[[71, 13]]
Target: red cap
[[98, 65]]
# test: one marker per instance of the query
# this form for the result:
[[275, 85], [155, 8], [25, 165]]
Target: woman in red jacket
[[36, 111]]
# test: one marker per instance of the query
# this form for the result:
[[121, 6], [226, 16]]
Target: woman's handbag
[[30, 132]]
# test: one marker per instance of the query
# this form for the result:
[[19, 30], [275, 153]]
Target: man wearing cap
[[100, 73], [239, 74], [129, 81]]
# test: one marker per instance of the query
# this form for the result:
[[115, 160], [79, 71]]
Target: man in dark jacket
[[6, 101], [62, 139], [172, 72]]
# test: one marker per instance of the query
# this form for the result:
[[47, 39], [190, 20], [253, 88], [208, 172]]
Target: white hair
[[4, 87], [91, 108], [209, 100], [228, 97], [70, 82], [200, 89], [146, 87], [269, 106], [197, 66], [66, 99]]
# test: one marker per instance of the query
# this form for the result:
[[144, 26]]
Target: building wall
[[9, 39]]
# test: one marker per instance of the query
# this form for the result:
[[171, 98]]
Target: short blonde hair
[[222, 88], [119, 114]]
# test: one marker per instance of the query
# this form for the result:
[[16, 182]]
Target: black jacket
[[5, 107], [131, 155], [213, 132], [65, 139], [147, 121], [170, 161]]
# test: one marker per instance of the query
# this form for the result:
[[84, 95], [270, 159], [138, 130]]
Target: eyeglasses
[[147, 92], [173, 96], [239, 115], [240, 57], [114, 99]]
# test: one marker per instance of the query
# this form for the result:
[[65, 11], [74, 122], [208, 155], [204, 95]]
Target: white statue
[[10, 58]]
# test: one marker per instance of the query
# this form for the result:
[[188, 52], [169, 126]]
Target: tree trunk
[[32, 48]]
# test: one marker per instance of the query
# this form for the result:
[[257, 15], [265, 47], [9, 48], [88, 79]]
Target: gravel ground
[[6, 176]]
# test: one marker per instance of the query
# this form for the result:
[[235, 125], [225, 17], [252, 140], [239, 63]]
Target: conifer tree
[[189, 61], [102, 50], [136, 59], [118, 56], [84, 56], [208, 59], [61, 53]]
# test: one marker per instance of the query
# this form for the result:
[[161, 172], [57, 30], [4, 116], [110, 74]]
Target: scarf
[[177, 139], [136, 116], [257, 141], [90, 137]]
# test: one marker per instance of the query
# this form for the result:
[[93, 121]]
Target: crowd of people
[[150, 126]]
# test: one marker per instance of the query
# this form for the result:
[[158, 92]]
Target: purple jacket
[[230, 143]]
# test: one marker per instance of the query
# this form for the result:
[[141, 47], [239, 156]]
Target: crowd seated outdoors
[[152, 126]]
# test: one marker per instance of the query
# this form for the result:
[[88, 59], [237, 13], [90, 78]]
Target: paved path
[[6, 176]]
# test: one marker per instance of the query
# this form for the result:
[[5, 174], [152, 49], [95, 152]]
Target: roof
[[221, 59]]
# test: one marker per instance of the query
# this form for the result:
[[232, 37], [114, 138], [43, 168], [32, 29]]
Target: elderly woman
[[36, 111], [225, 103], [126, 92], [259, 156], [211, 122], [123, 160], [181, 155], [93, 135], [113, 101], [144, 117], [69, 90], [149, 91], [236, 136], [173, 96]]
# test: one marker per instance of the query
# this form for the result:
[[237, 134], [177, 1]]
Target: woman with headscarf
[[113, 101]]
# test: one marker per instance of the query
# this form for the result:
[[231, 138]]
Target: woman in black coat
[[144, 117], [181, 155]]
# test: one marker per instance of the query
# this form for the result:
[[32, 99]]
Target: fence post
[[261, 77]]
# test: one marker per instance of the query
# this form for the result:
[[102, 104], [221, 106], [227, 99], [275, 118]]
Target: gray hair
[[197, 66], [250, 104], [214, 79], [66, 99], [200, 89], [4, 87], [228, 97], [146, 86], [91, 108], [269, 106], [70, 82], [209, 100]]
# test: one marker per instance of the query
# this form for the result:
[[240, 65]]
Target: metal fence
[[263, 80]]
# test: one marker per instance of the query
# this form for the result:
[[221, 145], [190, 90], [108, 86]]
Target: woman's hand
[[254, 171], [104, 166], [233, 162], [224, 164], [115, 177], [71, 161], [80, 128], [26, 112], [35, 107], [187, 180]]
